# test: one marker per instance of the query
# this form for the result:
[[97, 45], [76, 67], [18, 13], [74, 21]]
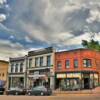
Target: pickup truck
[[2, 89]]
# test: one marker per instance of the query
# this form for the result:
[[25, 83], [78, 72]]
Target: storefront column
[[11, 82], [52, 82]]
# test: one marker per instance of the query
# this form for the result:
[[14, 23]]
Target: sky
[[33, 24]]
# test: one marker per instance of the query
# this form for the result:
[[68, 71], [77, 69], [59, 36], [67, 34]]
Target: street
[[67, 97]]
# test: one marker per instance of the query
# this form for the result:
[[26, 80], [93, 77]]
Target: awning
[[36, 76]]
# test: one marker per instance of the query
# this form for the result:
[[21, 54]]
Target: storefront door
[[86, 83]]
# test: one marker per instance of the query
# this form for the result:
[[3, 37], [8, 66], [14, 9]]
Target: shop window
[[30, 63], [87, 62], [41, 61], [67, 64], [58, 64], [75, 63], [49, 60]]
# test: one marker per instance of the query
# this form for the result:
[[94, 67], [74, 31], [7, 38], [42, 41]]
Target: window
[[3, 74], [41, 61], [21, 67], [87, 62], [58, 64], [16, 68], [12, 67], [67, 65], [49, 60], [36, 61], [30, 63], [75, 63]]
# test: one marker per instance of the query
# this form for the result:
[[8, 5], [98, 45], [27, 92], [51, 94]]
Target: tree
[[92, 44]]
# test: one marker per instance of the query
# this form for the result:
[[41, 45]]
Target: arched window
[[16, 68]]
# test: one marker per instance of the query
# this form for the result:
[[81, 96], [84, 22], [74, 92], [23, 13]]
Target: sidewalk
[[80, 92]]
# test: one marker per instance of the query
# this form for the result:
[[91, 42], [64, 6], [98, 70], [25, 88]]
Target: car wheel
[[29, 93], [41, 93], [16, 93]]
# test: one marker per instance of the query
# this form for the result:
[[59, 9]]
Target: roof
[[3, 61], [77, 50], [17, 58], [41, 51]]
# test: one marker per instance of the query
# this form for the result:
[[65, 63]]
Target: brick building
[[78, 67]]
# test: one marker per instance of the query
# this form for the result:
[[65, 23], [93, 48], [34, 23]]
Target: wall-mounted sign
[[61, 75]]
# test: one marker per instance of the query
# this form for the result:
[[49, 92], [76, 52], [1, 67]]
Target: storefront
[[78, 80], [16, 81], [38, 78]]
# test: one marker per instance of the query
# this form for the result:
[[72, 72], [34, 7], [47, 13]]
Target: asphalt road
[[67, 97]]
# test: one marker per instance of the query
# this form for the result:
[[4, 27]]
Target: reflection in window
[[58, 64], [16, 68], [87, 62], [21, 67], [49, 60], [12, 67], [67, 64], [41, 61], [36, 61], [75, 63], [30, 63]]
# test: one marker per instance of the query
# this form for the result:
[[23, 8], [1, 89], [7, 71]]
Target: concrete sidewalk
[[80, 92]]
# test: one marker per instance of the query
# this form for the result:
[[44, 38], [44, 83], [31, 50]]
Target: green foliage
[[92, 44]]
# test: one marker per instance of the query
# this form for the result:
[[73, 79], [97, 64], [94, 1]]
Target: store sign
[[73, 75], [36, 73], [61, 75], [95, 75]]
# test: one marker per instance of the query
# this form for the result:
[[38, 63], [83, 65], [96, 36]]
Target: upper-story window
[[36, 61], [21, 67], [12, 68], [58, 64], [49, 60], [30, 62], [16, 68], [67, 64], [41, 61], [87, 62], [75, 63]]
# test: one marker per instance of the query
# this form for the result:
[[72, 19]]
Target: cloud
[[3, 1], [2, 17], [9, 49], [41, 23]]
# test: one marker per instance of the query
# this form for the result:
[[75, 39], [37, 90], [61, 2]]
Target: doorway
[[86, 83]]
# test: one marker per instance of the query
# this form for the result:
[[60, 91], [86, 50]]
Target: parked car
[[16, 91], [39, 90], [2, 89], [72, 88]]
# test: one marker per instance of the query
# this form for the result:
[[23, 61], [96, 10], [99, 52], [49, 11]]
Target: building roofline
[[4, 61], [78, 49], [17, 58], [41, 51]]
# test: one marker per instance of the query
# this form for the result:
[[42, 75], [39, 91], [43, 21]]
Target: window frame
[[59, 66], [88, 63], [75, 61], [49, 61], [67, 63]]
